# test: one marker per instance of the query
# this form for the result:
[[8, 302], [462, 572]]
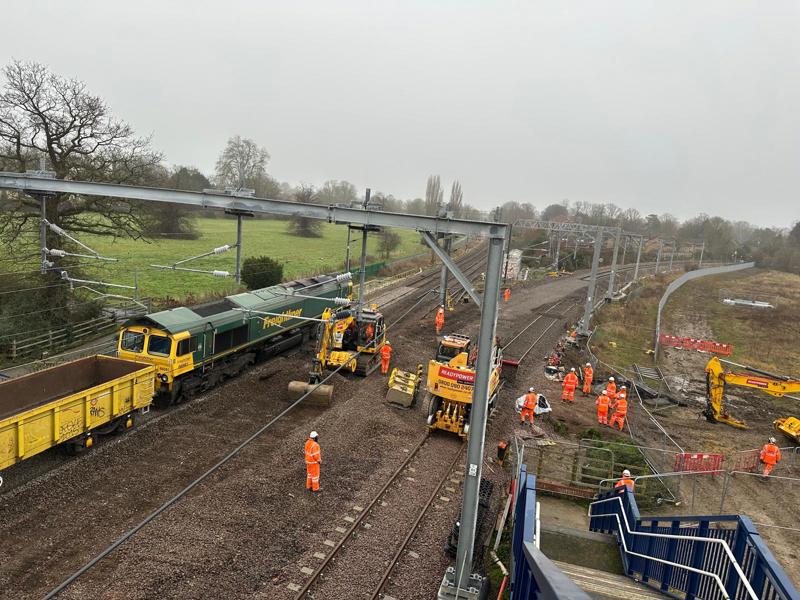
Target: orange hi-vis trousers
[[384, 365], [526, 412], [587, 385], [312, 476], [618, 419], [602, 416]]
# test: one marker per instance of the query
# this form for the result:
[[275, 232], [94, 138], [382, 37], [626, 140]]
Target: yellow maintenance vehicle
[[348, 338], [717, 378], [451, 383], [70, 404]]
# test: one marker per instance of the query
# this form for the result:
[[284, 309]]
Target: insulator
[[59, 253], [222, 249], [341, 301], [342, 277], [55, 228], [220, 273]]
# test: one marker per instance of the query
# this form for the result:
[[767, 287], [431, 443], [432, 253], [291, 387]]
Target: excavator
[[351, 339], [717, 378], [451, 383]]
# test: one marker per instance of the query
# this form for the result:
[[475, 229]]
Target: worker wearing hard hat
[[568, 386], [611, 387], [528, 402], [313, 457], [439, 319], [770, 455], [626, 481], [386, 356], [588, 374], [602, 403], [620, 406], [507, 294]]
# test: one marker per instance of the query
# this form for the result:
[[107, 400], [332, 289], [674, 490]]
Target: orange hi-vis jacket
[[602, 403], [530, 401], [312, 452], [386, 352], [625, 481], [440, 316], [571, 380], [588, 373], [612, 389], [770, 454], [621, 405]]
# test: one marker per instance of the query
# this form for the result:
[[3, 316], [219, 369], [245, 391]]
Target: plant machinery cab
[[350, 338], [451, 383]]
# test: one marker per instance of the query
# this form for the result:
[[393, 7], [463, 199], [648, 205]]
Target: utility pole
[[658, 256], [583, 326], [238, 249], [447, 242], [575, 252], [638, 257], [558, 252], [700, 264], [610, 292], [43, 234], [458, 581], [362, 276]]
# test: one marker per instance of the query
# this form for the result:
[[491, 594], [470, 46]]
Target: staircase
[[606, 586]]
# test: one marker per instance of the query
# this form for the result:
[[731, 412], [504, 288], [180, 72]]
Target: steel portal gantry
[[37, 184]]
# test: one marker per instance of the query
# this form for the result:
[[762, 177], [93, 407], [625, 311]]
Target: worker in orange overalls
[[313, 460], [770, 455], [611, 388], [626, 481], [439, 319], [588, 373], [369, 333], [602, 403], [507, 294], [528, 406], [386, 356], [568, 386], [620, 406]]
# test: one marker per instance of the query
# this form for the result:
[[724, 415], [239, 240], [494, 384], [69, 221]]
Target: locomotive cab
[[171, 354]]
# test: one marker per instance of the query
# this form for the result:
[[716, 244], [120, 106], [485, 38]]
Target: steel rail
[[404, 544], [166, 505], [346, 535], [544, 314]]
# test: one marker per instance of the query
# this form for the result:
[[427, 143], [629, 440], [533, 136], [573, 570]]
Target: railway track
[[376, 532], [553, 320]]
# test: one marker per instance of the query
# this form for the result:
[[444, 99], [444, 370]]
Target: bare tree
[[304, 226], [241, 163], [433, 195], [46, 116], [456, 199]]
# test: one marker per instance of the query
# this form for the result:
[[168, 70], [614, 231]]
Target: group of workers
[[610, 399]]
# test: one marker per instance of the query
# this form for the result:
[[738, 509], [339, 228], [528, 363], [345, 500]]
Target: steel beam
[[559, 226], [478, 415], [238, 274], [558, 252], [658, 256], [611, 275], [446, 247], [583, 326], [43, 233], [31, 183], [430, 239]]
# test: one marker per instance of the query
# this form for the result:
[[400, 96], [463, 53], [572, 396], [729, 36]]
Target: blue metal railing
[[534, 576], [710, 557]]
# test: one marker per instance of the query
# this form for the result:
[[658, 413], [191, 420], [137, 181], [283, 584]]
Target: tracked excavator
[[717, 378], [348, 338]]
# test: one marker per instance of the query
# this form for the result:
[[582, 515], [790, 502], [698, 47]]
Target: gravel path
[[247, 529]]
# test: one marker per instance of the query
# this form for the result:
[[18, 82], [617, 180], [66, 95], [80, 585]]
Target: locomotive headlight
[[163, 377]]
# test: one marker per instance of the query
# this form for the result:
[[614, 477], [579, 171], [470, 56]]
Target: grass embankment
[[625, 330], [762, 337], [300, 256]]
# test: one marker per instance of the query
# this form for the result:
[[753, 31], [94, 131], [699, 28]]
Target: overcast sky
[[671, 106]]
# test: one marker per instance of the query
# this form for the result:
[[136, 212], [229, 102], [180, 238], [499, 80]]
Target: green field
[[300, 256]]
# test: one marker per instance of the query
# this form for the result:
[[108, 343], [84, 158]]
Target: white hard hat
[[622, 387], [313, 435], [772, 440], [572, 369], [588, 364], [611, 379], [530, 389], [626, 473]]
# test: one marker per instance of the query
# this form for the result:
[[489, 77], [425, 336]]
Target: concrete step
[[606, 586]]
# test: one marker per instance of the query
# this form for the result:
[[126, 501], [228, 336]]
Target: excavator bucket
[[790, 427], [320, 395]]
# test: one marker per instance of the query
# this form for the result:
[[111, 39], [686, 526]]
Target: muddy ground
[[250, 527]]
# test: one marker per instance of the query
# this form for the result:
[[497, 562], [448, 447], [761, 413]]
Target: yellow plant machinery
[[717, 378], [451, 383]]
